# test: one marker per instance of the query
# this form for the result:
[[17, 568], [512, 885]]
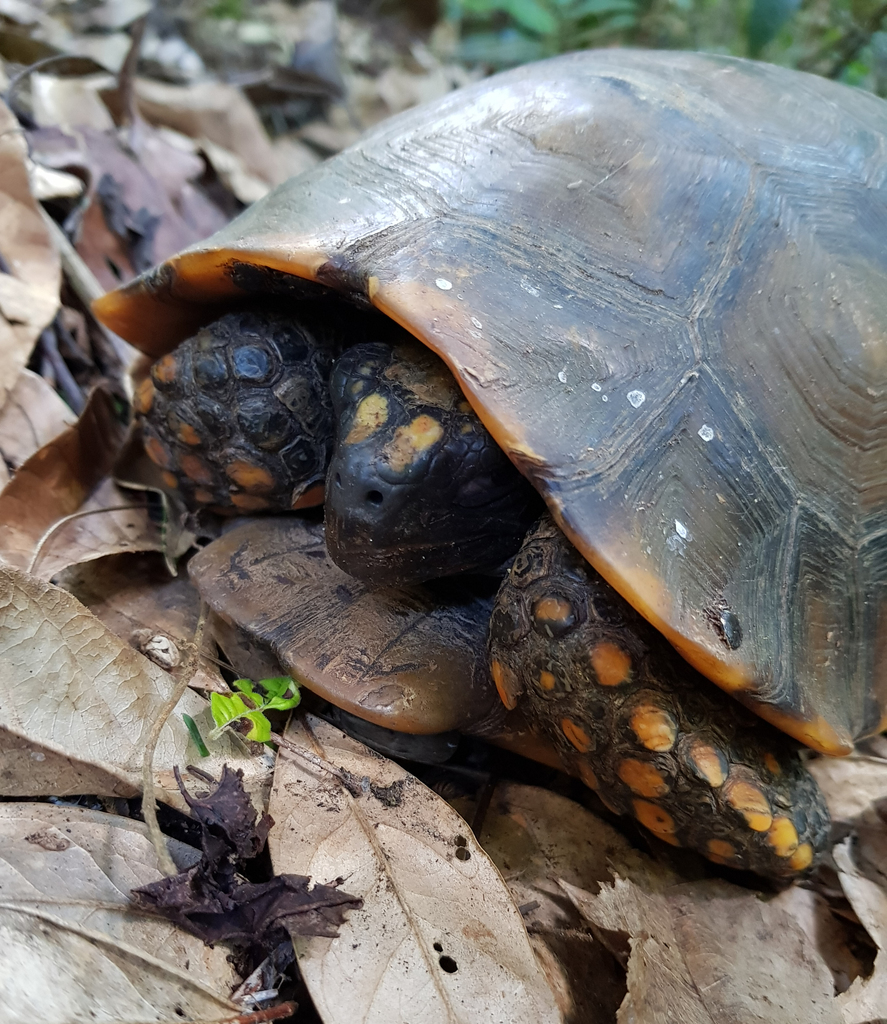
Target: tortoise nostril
[[375, 497]]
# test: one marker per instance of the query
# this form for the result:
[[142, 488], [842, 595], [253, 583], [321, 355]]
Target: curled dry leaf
[[77, 704], [65, 878], [30, 273], [711, 953], [217, 113], [536, 837], [55, 482], [850, 784], [32, 416], [439, 938], [866, 999]]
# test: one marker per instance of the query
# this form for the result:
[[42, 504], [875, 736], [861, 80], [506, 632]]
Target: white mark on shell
[[680, 529], [444, 284], [604, 398], [636, 399], [575, 184], [595, 387], [343, 201], [477, 323], [562, 376], [557, 305], [705, 432], [530, 289]]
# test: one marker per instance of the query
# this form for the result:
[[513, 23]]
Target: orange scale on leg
[[165, 369], [506, 685], [654, 727], [653, 817], [611, 664], [196, 469], [157, 453], [802, 858], [783, 837], [250, 502], [249, 476], [577, 736], [169, 480], [143, 398], [547, 680], [708, 762], [188, 435], [642, 778], [720, 851], [751, 804]]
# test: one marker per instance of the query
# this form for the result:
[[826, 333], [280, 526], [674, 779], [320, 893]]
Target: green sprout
[[251, 704]]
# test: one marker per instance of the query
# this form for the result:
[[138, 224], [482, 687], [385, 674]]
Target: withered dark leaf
[[251, 911], [212, 901], [228, 814]]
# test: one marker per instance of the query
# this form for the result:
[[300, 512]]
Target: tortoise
[[658, 281]]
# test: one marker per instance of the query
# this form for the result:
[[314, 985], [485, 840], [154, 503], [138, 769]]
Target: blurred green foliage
[[843, 39]]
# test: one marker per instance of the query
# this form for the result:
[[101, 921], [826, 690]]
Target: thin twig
[[86, 287], [149, 805], [312, 759], [70, 389]]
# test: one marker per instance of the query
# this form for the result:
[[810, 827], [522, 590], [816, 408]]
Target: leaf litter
[[606, 931]]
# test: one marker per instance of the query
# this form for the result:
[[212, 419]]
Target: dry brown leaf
[[55, 482], [137, 206], [71, 103], [831, 934], [850, 784], [129, 592], [439, 938], [78, 866], [536, 837], [32, 416], [77, 704], [711, 953], [30, 279], [135, 597], [866, 999], [214, 111]]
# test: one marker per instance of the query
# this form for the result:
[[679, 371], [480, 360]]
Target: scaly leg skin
[[652, 736]]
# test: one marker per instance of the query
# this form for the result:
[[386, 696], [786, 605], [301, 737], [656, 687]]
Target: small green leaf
[[283, 703], [532, 16], [278, 685], [261, 730], [225, 708], [246, 686], [194, 733]]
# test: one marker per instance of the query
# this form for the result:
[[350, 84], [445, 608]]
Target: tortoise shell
[[661, 281]]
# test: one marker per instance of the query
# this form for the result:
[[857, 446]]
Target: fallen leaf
[[55, 482], [866, 999], [210, 900], [30, 273], [79, 866], [711, 953], [32, 416], [215, 112], [77, 705], [71, 103], [850, 784], [439, 938]]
